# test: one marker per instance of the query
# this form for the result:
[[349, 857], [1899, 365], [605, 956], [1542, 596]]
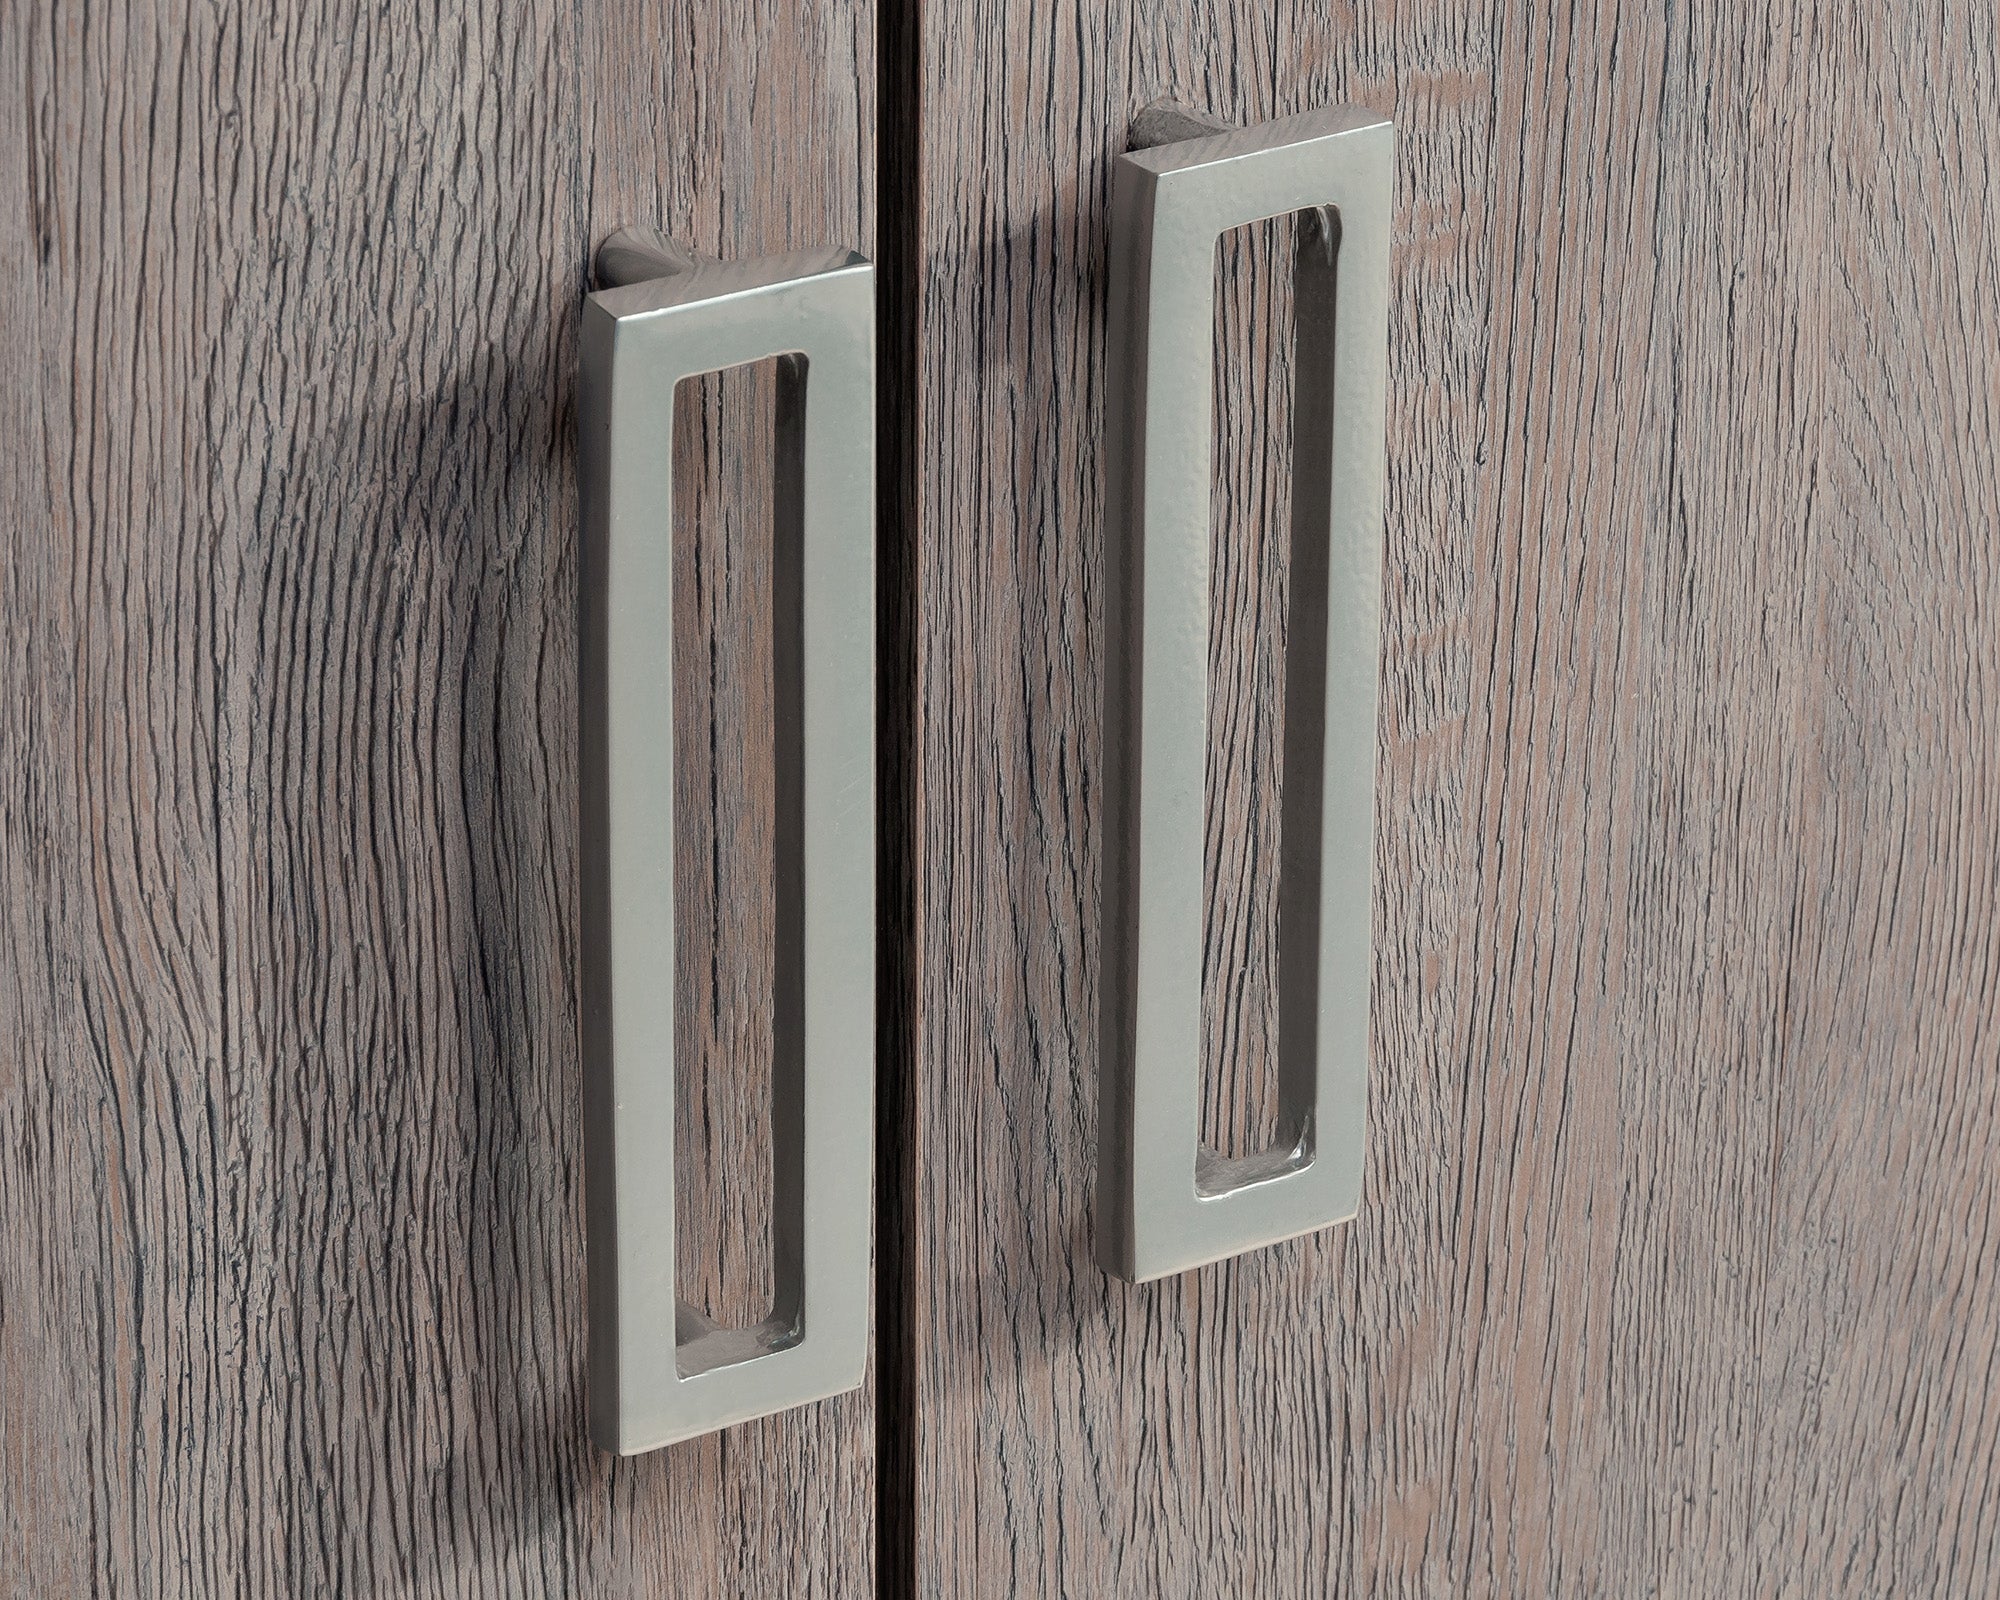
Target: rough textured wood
[[290, 1233], [1676, 1269], [1250, 512], [724, 906]]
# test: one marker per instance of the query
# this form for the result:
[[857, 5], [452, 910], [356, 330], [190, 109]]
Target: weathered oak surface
[[290, 1228], [1677, 1267]]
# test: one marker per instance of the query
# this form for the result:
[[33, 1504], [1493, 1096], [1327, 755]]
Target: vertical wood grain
[[290, 1234], [1676, 1269], [1250, 520], [725, 911]]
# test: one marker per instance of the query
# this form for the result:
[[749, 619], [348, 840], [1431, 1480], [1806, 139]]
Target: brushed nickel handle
[[659, 1371], [1164, 1202]]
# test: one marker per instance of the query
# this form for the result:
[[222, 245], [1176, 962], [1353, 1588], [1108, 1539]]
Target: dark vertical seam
[[899, 233]]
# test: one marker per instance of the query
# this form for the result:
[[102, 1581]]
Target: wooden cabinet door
[[291, 1238], [1674, 1271], [1675, 1268]]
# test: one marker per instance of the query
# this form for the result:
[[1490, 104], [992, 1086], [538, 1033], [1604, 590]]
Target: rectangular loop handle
[[1164, 1203], [660, 1371]]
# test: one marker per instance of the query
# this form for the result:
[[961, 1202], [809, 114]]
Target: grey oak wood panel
[[1250, 513], [290, 1227], [1676, 1268]]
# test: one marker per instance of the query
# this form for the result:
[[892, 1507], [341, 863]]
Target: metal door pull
[[659, 1371], [1164, 1202]]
